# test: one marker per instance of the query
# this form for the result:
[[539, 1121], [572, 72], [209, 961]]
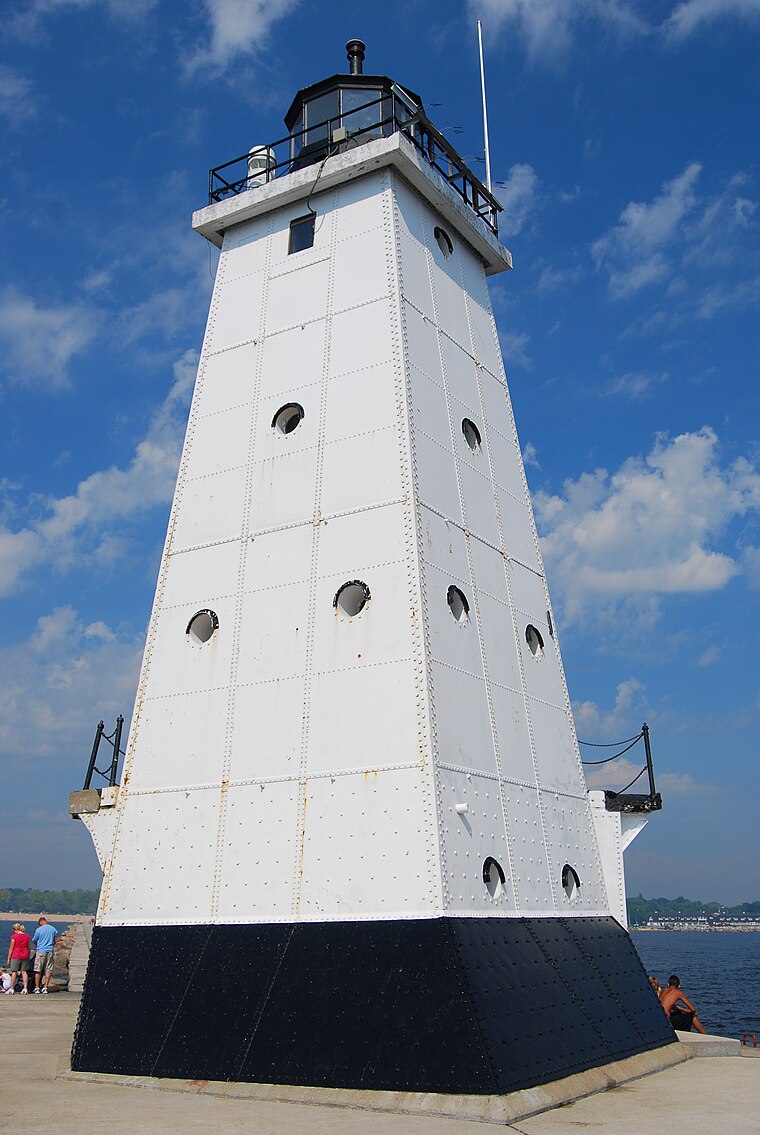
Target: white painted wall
[[301, 764]]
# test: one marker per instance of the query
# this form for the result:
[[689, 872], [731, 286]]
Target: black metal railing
[[623, 800], [379, 118], [110, 773]]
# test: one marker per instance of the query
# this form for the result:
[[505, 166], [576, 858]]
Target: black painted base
[[456, 1005]]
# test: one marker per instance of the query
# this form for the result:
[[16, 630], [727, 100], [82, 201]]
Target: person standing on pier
[[44, 939], [18, 957]]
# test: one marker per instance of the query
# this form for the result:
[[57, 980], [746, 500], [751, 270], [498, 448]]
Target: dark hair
[[674, 980]]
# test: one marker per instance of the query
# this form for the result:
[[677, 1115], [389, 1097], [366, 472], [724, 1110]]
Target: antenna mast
[[485, 111]]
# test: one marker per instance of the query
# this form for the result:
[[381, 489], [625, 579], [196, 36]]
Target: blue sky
[[624, 142]]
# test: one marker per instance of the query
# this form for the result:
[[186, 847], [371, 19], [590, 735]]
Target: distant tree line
[[57, 902], [640, 910]]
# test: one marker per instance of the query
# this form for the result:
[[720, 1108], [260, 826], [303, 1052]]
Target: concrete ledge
[[697, 1044], [484, 1109]]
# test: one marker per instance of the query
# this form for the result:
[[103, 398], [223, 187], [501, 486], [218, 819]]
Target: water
[[719, 972]]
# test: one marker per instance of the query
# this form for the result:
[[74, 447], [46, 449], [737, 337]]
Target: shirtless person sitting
[[680, 1018]]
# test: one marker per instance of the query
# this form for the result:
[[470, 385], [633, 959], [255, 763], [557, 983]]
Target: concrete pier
[[703, 1096]]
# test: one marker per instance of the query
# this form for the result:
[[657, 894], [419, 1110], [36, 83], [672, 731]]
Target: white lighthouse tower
[[352, 787]]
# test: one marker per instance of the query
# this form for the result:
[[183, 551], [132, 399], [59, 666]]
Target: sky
[[623, 140]]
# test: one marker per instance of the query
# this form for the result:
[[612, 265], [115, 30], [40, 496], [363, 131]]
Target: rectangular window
[[301, 233]]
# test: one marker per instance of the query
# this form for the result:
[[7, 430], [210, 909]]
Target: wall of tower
[[504, 741]]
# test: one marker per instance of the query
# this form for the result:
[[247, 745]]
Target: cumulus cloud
[[692, 15], [238, 28], [634, 252], [63, 679], [39, 342], [547, 27], [518, 196], [16, 96], [596, 725], [650, 529], [77, 526]]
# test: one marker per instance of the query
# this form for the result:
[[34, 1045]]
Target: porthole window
[[493, 877], [287, 418], [443, 240], [301, 234], [570, 881], [458, 605], [535, 641], [351, 598], [471, 435], [201, 627]]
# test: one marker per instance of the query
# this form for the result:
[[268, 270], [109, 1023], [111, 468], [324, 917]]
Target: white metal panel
[[359, 205], [461, 381], [469, 837], [423, 347], [570, 839], [363, 717], [298, 296], [210, 509], [272, 443], [534, 889], [380, 633], [410, 210], [415, 277], [368, 326], [198, 577], [180, 666], [557, 759], [258, 850], [245, 252], [266, 729], [430, 408], [181, 740], [272, 637], [444, 546], [488, 569], [497, 412], [359, 541], [219, 441], [478, 505], [462, 721], [365, 851], [283, 489], [360, 269], [517, 530], [515, 754], [530, 598], [542, 672], [436, 476], [374, 462], [237, 316], [450, 305], [499, 642], [455, 643], [292, 358], [278, 558], [280, 259], [163, 865], [485, 342], [228, 379], [358, 402]]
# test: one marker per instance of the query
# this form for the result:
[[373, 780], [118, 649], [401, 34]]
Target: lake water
[[719, 972]]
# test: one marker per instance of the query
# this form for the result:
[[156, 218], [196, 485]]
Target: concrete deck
[[703, 1096]]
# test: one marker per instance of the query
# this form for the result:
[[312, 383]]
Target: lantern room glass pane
[[318, 111], [356, 120]]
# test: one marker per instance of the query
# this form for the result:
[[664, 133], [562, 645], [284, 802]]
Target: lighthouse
[[352, 844]]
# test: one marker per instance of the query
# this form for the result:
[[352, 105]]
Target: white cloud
[[40, 342], [238, 27], [634, 385], [648, 530], [709, 656], [26, 22], [16, 96], [530, 455], [554, 279], [513, 347], [691, 15], [598, 725], [633, 253], [62, 680], [77, 526], [518, 196], [547, 27]]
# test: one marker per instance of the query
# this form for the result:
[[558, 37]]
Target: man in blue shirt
[[44, 939]]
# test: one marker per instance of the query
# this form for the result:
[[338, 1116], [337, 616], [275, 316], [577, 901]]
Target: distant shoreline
[[699, 929], [17, 916]]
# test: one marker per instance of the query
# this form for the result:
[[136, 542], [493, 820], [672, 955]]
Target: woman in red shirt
[[18, 957]]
